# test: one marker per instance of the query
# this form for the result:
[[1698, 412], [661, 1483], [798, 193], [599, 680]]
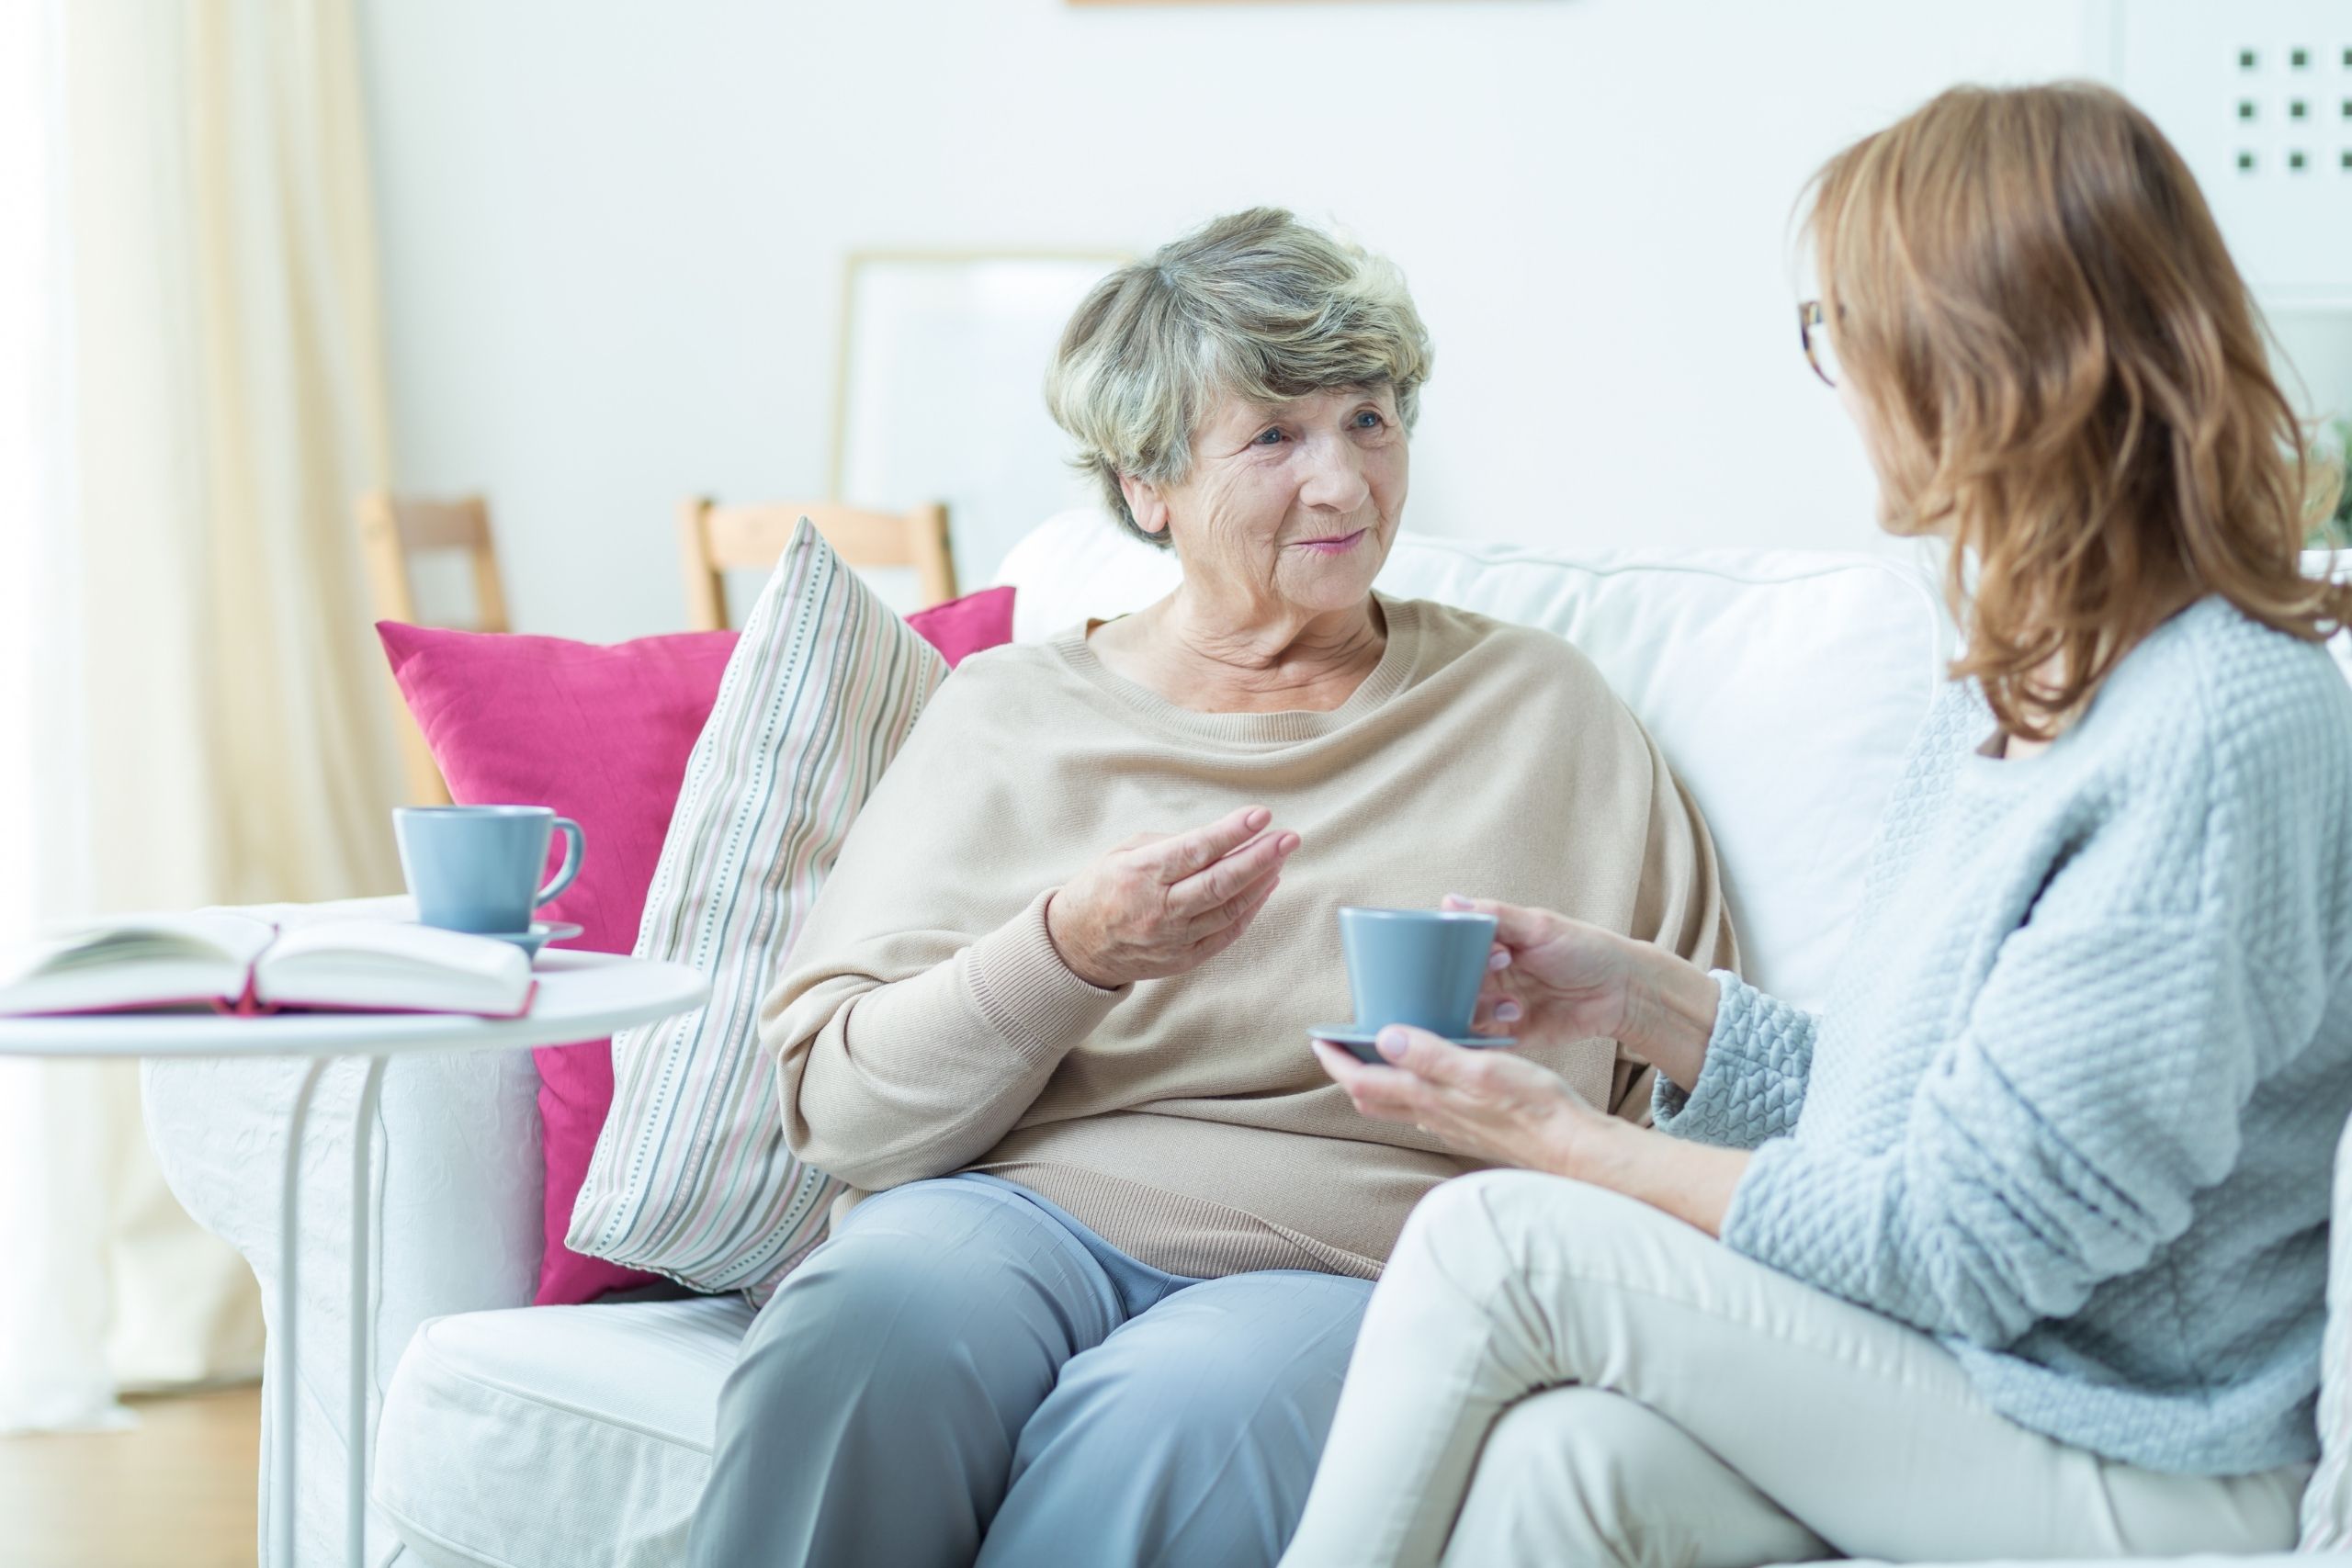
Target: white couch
[[1783, 688]]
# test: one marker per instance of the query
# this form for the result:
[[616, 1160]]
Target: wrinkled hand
[[1162, 904], [1487, 1104]]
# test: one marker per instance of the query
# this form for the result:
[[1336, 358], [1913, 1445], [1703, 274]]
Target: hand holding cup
[[1550, 978], [1555, 981]]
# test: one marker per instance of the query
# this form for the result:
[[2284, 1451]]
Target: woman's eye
[[1369, 419], [1271, 437]]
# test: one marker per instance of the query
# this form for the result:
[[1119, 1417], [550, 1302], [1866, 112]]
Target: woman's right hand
[[1551, 980], [1162, 904]]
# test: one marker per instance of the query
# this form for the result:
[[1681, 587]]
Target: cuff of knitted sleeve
[[1023, 987], [1744, 1093]]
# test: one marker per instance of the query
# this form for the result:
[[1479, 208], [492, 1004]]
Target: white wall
[[612, 233]]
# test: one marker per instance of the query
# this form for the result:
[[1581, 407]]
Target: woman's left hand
[[1483, 1103]]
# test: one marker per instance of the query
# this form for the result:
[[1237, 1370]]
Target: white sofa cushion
[[556, 1435], [2328, 1501], [1784, 687]]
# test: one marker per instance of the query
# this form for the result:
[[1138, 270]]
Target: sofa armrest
[[456, 1221]]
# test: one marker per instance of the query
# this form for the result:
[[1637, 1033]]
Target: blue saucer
[[1358, 1040], [541, 933]]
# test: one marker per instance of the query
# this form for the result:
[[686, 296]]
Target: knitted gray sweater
[[2072, 1105]]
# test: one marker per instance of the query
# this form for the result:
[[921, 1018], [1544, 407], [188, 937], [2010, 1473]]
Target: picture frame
[[939, 388]]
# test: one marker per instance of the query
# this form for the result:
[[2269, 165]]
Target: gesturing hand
[[1162, 904]]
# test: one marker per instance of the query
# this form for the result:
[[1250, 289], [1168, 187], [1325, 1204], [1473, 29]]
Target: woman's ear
[[1145, 501]]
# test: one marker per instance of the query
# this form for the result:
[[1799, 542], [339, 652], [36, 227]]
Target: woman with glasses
[[2018, 1248]]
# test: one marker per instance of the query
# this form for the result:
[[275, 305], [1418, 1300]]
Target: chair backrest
[[393, 529], [717, 539]]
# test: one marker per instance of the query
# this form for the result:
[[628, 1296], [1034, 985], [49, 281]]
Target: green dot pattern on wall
[[2292, 66]]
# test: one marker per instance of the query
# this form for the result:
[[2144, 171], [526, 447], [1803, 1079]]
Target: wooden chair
[[392, 529], [719, 539]]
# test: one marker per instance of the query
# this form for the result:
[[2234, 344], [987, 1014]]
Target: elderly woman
[[1093, 1298], [2018, 1248]]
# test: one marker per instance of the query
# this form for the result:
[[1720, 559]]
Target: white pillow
[[690, 1178], [2327, 1500], [1784, 688]]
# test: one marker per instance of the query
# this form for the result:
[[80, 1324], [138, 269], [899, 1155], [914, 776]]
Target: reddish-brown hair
[[2067, 379]]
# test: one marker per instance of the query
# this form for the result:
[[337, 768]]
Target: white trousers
[[1552, 1373]]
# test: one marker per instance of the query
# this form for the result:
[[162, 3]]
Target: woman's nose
[[1334, 475]]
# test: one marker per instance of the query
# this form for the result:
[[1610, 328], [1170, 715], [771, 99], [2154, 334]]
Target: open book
[[237, 963]]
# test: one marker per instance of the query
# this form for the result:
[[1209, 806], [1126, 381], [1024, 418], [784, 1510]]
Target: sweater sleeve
[[2058, 1142], [923, 1007], [885, 1083], [1752, 1083]]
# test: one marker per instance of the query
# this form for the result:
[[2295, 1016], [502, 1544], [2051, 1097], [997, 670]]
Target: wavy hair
[[1255, 305], [2065, 376]]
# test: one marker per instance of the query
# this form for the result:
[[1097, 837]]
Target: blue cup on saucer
[[477, 868], [1417, 967]]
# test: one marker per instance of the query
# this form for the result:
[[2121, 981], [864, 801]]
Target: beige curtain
[[212, 721], [231, 399]]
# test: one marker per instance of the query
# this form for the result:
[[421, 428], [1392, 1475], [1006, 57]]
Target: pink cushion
[[601, 734], [971, 625]]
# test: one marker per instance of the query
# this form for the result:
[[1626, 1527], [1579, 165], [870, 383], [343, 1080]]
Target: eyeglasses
[[1818, 352]]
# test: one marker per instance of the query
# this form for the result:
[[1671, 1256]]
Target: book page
[[394, 964], [395, 908], [132, 961]]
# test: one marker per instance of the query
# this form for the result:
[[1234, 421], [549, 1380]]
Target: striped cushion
[[690, 1177], [2327, 1500]]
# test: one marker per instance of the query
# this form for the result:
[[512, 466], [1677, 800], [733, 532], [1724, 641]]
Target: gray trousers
[[966, 1374]]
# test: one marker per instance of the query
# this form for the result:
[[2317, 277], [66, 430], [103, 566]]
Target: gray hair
[[1255, 305]]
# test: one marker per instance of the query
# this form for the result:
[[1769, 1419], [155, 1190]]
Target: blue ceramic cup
[[1420, 968], [477, 868]]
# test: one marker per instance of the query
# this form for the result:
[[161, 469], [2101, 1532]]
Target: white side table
[[581, 997]]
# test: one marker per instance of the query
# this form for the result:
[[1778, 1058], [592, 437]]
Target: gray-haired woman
[[1094, 1297]]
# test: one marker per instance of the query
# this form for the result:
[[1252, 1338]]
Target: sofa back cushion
[[2327, 1500], [1784, 688]]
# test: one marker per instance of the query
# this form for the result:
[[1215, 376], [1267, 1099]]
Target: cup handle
[[575, 848]]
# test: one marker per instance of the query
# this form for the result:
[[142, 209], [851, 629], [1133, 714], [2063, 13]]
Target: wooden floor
[[177, 1490]]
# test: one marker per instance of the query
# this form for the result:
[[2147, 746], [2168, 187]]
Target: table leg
[[289, 1249], [363, 1135]]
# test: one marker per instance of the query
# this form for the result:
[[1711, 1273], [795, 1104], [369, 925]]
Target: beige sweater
[[926, 1026]]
